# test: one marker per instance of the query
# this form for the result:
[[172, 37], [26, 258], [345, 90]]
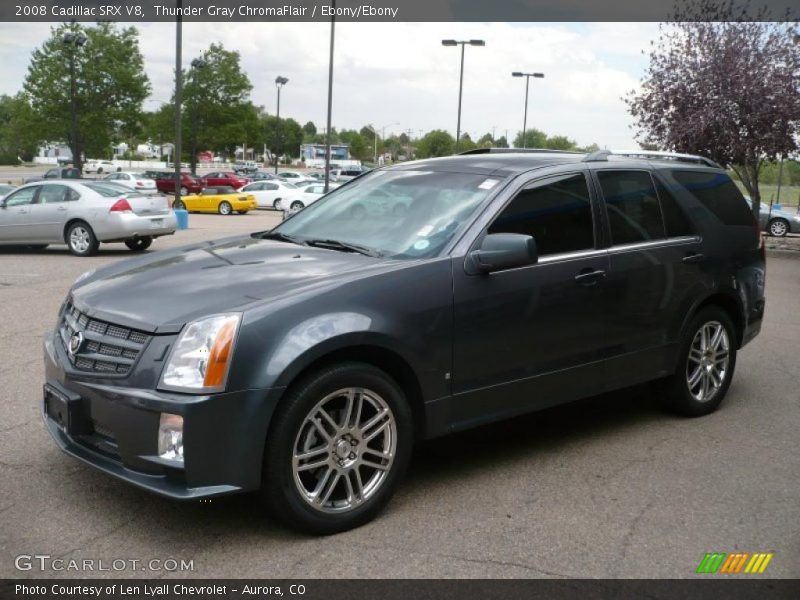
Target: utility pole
[[330, 102], [178, 100]]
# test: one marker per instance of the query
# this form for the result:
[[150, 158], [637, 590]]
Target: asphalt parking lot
[[607, 487]]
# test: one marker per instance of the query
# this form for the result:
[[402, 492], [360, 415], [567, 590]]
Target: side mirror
[[501, 251]]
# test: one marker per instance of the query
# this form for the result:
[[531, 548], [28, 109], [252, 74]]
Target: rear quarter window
[[718, 194]]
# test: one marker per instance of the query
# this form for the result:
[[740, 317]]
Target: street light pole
[[279, 83], [75, 40], [197, 64], [178, 102], [461, 78], [330, 102], [527, 77]]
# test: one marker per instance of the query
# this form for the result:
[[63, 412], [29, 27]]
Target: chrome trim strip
[[665, 243]]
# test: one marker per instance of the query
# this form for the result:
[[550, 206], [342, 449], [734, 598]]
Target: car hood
[[160, 292]]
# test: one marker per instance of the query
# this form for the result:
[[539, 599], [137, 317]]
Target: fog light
[[170, 437]]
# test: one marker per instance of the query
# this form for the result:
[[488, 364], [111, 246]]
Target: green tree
[[361, 148], [533, 139], [283, 140], [111, 86], [309, 130], [501, 142], [560, 142], [218, 112], [486, 141], [435, 143], [18, 139]]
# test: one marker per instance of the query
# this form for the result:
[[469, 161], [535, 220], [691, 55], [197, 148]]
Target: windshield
[[399, 214], [108, 190]]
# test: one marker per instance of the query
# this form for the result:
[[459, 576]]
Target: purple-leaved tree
[[723, 84]]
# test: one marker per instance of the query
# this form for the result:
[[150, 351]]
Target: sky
[[398, 75]]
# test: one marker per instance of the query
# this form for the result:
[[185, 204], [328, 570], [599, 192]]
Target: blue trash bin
[[182, 216], [777, 206]]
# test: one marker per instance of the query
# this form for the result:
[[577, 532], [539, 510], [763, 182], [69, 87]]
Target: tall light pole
[[197, 64], [461, 77], [176, 159], [330, 102], [74, 39], [527, 77], [279, 83]]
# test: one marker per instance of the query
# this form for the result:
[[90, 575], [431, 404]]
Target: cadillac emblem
[[75, 343]]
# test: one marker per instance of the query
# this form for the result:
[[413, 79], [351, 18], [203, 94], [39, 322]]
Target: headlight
[[84, 275], [200, 360]]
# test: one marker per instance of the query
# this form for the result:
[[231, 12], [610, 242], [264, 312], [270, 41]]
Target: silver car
[[82, 214], [778, 222]]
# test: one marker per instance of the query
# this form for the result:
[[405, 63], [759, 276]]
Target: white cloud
[[399, 72]]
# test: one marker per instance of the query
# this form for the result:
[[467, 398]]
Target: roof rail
[[602, 155], [516, 151]]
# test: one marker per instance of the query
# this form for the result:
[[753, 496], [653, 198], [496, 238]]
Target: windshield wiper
[[282, 237], [345, 246]]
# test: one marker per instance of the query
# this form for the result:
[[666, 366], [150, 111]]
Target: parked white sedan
[[134, 181], [82, 214], [100, 167], [269, 193], [306, 195]]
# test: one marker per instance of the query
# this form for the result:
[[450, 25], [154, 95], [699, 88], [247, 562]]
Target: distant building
[[55, 150], [313, 155]]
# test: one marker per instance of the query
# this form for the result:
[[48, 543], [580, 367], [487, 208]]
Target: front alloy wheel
[[778, 228], [337, 448], [344, 450]]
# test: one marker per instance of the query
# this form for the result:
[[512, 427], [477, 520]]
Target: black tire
[[99, 170], [225, 208], [279, 489], [178, 205], [139, 244], [242, 212], [81, 240], [297, 205], [677, 396], [276, 204], [778, 227]]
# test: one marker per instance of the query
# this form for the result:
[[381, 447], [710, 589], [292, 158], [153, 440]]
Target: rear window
[[105, 190], [71, 174], [718, 194]]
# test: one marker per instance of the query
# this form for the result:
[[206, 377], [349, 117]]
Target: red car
[[226, 178], [165, 182]]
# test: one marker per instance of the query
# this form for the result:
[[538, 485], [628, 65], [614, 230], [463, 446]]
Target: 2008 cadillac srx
[[411, 302]]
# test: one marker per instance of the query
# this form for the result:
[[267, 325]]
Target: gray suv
[[413, 302]]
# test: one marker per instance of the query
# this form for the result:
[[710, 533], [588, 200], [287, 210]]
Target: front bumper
[[223, 436]]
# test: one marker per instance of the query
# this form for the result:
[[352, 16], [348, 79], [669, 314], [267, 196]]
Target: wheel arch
[[70, 223], [728, 301]]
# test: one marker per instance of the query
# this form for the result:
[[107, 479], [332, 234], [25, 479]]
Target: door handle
[[590, 277], [62, 208], [691, 258], [22, 211]]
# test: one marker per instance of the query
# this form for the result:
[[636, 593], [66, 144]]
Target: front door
[[534, 336], [50, 212], [15, 215]]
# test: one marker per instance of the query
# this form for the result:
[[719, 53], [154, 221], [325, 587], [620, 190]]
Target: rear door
[[534, 336], [655, 271]]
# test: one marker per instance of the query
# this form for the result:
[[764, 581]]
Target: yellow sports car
[[222, 200]]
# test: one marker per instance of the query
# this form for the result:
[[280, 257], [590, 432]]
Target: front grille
[[105, 348]]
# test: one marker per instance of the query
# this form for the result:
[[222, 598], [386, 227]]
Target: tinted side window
[[718, 194], [22, 197], [270, 187], [51, 194], [632, 206], [557, 212], [675, 220]]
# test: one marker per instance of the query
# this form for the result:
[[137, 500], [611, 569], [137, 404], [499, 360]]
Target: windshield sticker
[[425, 231], [421, 245], [488, 184]]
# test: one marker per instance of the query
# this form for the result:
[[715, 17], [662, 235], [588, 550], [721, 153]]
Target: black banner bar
[[349, 589], [367, 11]]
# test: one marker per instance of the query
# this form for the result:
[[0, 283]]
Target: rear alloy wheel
[[225, 208], [81, 239], [778, 227], [337, 449], [706, 365], [139, 244], [297, 205]]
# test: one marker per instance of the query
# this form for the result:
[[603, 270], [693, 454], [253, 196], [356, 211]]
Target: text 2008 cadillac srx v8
[[411, 302]]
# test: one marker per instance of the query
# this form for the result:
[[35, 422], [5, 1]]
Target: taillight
[[121, 205], [139, 184]]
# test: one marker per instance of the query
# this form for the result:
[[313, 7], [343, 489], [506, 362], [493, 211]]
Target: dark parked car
[[226, 178], [57, 173], [305, 361], [165, 182]]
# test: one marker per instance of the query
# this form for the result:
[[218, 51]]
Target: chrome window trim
[[650, 244]]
